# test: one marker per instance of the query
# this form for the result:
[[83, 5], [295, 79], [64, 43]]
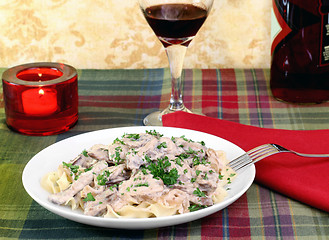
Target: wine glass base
[[155, 118]]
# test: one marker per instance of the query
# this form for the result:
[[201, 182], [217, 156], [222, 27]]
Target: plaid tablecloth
[[115, 98]]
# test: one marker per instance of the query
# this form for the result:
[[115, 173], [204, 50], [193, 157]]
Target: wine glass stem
[[176, 100], [176, 54]]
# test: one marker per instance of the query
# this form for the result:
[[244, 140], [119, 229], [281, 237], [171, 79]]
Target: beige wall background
[[107, 34]]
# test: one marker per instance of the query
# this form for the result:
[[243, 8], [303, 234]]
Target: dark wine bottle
[[300, 51]]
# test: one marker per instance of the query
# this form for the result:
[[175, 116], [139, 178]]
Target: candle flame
[[40, 74], [41, 92]]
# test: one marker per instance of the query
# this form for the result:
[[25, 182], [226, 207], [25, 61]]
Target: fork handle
[[311, 155], [283, 149]]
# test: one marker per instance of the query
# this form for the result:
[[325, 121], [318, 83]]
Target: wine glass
[[175, 23]]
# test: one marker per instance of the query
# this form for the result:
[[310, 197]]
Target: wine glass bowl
[[175, 23]]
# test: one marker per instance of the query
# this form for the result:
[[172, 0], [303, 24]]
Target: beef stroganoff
[[141, 175]]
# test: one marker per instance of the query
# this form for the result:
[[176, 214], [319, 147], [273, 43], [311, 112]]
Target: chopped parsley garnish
[[205, 177], [199, 193], [183, 156], [162, 145], [154, 133], [198, 161], [141, 185], [113, 186], [191, 151], [117, 140], [88, 169], [132, 136], [185, 139], [77, 175], [179, 162], [158, 171], [103, 178], [139, 178], [116, 156], [148, 159], [89, 197], [73, 168], [119, 149], [195, 207], [134, 151], [85, 153]]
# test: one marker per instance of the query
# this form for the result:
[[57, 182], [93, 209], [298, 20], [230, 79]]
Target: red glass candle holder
[[41, 98]]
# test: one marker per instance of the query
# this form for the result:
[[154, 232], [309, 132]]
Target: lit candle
[[40, 98], [39, 101]]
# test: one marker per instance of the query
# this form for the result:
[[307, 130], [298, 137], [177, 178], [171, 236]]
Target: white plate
[[48, 160]]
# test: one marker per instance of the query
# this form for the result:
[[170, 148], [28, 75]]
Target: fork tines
[[240, 162], [262, 151], [253, 156]]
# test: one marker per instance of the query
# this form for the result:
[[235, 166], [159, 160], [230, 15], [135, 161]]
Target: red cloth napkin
[[303, 179]]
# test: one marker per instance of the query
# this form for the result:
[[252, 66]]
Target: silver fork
[[263, 151]]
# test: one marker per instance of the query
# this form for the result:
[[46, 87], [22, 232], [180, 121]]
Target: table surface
[[116, 98]]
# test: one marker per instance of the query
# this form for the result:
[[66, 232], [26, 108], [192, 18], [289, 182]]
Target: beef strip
[[98, 207], [141, 140], [84, 161], [215, 158], [117, 174], [83, 180], [117, 153], [207, 179], [99, 152]]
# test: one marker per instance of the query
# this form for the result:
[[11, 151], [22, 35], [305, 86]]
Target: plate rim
[[138, 223]]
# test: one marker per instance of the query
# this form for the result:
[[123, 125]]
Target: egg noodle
[[141, 175]]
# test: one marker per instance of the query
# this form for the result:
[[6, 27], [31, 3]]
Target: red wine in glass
[[175, 23]]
